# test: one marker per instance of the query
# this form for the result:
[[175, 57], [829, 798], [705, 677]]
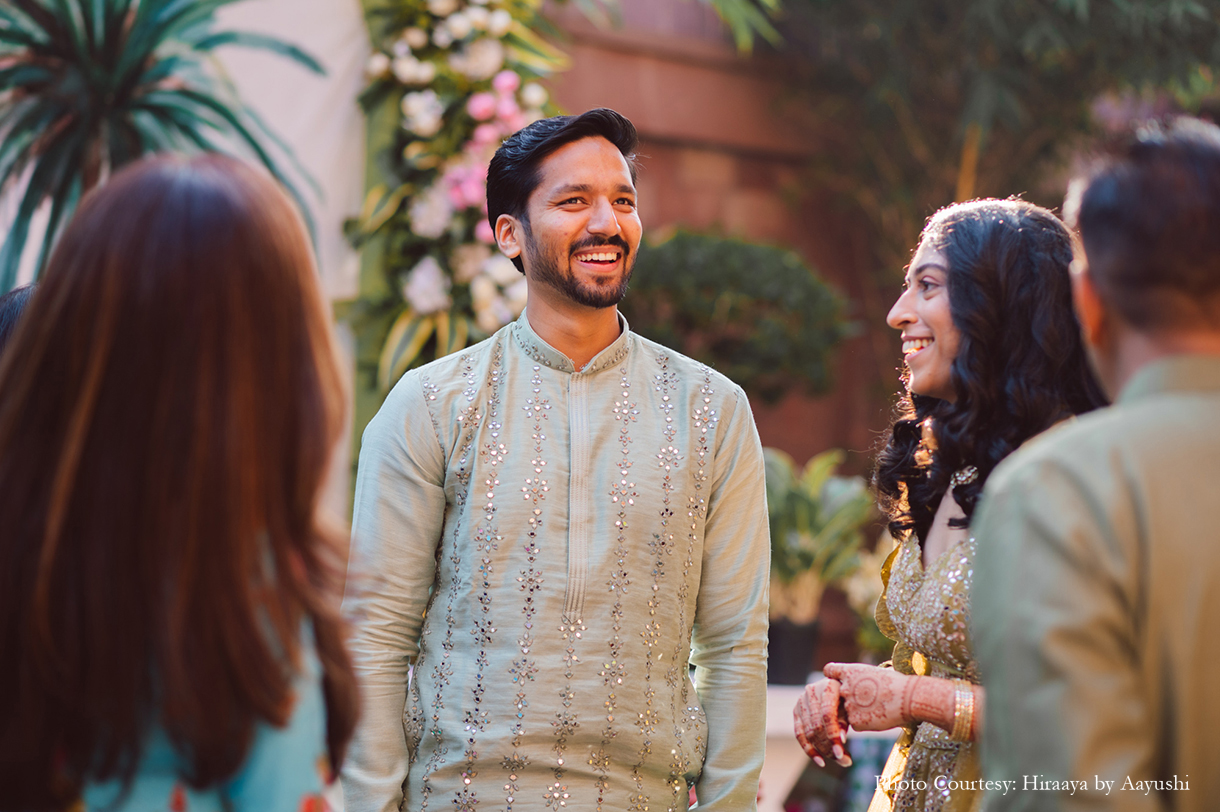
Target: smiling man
[[552, 526]]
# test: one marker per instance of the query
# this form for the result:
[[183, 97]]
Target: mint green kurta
[[1096, 603], [576, 538]]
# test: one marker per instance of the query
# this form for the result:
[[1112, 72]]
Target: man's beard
[[547, 270]]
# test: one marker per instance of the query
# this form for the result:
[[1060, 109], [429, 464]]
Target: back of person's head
[[163, 441], [515, 169], [1020, 366], [12, 306], [1148, 212]]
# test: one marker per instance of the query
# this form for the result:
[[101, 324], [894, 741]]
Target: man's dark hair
[[12, 305], [1149, 217], [514, 171]]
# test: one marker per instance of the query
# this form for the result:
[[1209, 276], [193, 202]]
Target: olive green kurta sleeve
[[1096, 600]]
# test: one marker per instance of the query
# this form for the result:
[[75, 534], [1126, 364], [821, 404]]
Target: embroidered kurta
[[927, 613], [553, 549]]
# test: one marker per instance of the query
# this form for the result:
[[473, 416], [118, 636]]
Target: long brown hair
[[167, 414]]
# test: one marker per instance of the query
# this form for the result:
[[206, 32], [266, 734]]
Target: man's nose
[[603, 219]]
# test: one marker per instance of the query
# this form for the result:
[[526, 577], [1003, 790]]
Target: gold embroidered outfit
[[927, 613]]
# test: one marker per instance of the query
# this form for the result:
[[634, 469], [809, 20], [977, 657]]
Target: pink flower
[[486, 134], [507, 108], [483, 232], [481, 106], [473, 190], [506, 82]]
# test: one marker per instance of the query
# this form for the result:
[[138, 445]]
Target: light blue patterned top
[[284, 770]]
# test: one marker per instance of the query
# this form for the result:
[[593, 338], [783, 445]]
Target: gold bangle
[[963, 710]]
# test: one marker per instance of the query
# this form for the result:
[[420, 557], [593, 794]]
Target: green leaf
[[24, 125], [23, 75], [819, 469], [262, 42], [46, 174], [380, 206], [74, 25], [63, 203], [407, 338]]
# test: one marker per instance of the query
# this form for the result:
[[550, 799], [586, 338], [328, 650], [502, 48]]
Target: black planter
[[790, 652]]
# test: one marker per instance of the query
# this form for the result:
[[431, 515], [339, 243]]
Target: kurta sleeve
[[1055, 608], [729, 641], [399, 512]]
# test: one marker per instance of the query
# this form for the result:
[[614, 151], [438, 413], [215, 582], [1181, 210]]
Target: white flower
[[467, 260], [494, 315], [441, 37], [431, 212], [423, 111], [533, 95], [478, 17], [480, 60], [501, 269], [459, 25], [483, 292], [499, 23], [401, 48], [427, 287], [378, 64], [415, 37], [442, 8], [410, 71], [517, 294]]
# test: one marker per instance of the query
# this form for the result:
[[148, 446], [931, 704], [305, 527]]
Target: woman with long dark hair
[[993, 357], [168, 594]]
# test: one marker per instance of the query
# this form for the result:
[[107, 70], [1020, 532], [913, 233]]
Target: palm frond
[[265, 42], [90, 84]]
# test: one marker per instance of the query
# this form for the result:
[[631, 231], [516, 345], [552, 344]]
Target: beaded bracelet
[[963, 711]]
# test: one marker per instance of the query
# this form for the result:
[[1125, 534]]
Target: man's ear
[[509, 235], [1090, 309]]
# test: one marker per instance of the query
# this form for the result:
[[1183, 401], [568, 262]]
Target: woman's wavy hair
[[168, 410], [1020, 368]]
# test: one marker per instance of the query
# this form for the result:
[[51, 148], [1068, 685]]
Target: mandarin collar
[[1176, 373], [547, 355]]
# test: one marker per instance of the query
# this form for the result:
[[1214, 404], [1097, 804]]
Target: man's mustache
[[595, 242]]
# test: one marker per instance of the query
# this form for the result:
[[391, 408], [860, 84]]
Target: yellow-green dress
[[927, 614]]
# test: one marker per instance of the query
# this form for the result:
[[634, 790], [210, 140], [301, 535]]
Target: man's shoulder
[[1071, 447], [688, 370]]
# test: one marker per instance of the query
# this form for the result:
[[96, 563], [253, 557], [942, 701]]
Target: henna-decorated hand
[[875, 698], [820, 723]]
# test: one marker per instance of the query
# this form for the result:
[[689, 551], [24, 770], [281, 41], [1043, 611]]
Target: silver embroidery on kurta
[[469, 419], [487, 538], [523, 669]]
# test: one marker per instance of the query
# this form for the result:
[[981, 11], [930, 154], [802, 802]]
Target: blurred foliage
[[818, 522], [756, 313], [87, 86], [916, 103]]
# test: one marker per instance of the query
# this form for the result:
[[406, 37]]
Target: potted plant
[[818, 522], [87, 86]]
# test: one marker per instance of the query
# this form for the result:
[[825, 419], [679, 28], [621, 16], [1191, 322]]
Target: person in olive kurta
[[1097, 595]]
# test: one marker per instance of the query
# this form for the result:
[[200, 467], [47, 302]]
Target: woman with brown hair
[[168, 613]]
